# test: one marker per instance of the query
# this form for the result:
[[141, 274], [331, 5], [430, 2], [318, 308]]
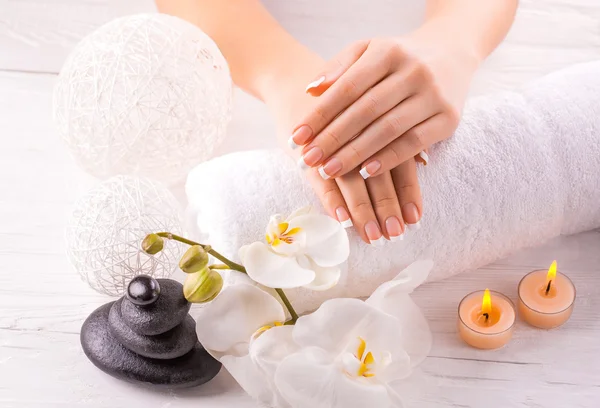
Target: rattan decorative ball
[[147, 94], [108, 225]]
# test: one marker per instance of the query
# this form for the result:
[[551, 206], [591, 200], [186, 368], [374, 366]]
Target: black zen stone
[[143, 290], [104, 350], [161, 316], [171, 344]]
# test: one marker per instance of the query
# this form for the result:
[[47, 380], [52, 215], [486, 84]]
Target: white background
[[43, 303]]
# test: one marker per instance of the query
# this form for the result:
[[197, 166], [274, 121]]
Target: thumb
[[336, 67]]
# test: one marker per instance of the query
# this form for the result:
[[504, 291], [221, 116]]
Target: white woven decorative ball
[[147, 94], [106, 229]]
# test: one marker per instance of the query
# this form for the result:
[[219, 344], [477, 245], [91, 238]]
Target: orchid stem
[[231, 265], [287, 304]]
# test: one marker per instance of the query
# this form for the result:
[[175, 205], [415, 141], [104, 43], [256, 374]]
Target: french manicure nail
[[374, 234], [415, 227], [300, 137], [315, 83], [394, 228], [312, 157], [370, 169], [324, 175], [343, 217], [411, 216], [331, 168], [425, 157]]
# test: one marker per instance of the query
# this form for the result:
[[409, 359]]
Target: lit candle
[[546, 298], [486, 319]]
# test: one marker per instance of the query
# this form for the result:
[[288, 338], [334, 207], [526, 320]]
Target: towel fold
[[523, 167]]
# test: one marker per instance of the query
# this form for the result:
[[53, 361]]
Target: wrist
[[442, 32], [289, 74]]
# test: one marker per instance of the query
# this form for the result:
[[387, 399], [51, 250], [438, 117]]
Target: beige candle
[[546, 298], [486, 319]]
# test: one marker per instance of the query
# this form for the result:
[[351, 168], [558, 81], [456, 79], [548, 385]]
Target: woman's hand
[[375, 207], [382, 102]]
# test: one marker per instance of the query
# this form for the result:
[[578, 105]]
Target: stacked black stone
[[148, 337]]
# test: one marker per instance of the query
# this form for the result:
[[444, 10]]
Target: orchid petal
[[325, 278], [338, 323], [310, 378], [273, 270], [226, 325], [326, 240], [250, 377], [393, 298], [267, 352], [301, 211]]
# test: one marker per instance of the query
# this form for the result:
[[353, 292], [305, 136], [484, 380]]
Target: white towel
[[523, 167]]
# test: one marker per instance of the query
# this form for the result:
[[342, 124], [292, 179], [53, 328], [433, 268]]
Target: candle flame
[[551, 272], [486, 303]]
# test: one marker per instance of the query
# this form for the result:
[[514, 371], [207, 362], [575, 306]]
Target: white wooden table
[[43, 303]]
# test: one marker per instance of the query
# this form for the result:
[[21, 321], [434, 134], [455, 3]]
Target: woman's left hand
[[384, 101]]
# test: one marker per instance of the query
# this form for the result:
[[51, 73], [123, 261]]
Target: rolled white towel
[[522, 168]]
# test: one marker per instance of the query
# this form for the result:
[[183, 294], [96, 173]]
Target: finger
[[331, 198], [408, 145], [361, 76], [423, 157], [367, 109], [387, 207], [408, 190], [355, 194], [336, 67], [378, 135]]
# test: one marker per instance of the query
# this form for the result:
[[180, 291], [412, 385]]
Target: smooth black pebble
[[171, 344], [168, 311], [108, 354]]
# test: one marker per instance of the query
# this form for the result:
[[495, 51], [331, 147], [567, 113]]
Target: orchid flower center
[[265, 328], [362, 363], [280, 232]]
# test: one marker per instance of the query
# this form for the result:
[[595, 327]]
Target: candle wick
[[548, 287], [487, 316]]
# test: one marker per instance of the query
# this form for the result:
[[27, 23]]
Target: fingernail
[[311, 157], [370, 169], [343, 217], [300, 137], [374, 234], [331, 168], [394, 229], [425, 157], [315, 83], [410, 213]]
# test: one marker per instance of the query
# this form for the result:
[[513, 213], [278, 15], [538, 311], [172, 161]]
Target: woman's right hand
[[372, 206]]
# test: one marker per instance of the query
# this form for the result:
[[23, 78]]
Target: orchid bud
[[152, 244], [202, 286], [195, 259]]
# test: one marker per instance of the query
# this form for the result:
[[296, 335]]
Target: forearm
[[477, 25], [258, 50]]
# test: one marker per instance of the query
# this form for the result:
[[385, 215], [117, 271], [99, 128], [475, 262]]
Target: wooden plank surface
[[43, 303]]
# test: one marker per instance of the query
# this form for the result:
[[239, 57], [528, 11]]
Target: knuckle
[[332, 139], [453, 115], [331, 196], [349, 87], [320, 113], [391, 125], [385, 202], [371, 107], [418, 138], [361, 207]]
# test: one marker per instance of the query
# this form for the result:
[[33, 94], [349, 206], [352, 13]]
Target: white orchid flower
[[350, 351], [243, 329], [306, 249]]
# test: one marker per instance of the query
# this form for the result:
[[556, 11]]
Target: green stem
[[232, 265], [287, 304], [208, 248]]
